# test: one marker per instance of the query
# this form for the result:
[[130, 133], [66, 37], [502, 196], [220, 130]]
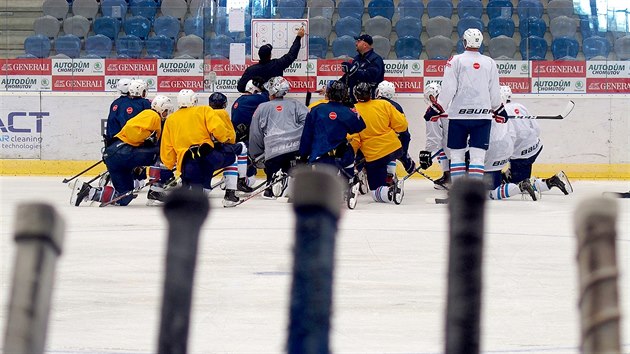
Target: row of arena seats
[[407, 38]]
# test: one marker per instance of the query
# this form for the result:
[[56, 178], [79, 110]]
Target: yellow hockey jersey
[[380, 137]]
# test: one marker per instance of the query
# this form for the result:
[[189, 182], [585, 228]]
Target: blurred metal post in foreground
[[595, 227], [39, 232], [185, 211], [463, 308], [317, 201]]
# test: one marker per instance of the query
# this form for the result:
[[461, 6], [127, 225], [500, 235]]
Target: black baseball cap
[[366, 38]]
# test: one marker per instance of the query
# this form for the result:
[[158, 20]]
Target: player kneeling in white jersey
[[527, 147], [437, 133]]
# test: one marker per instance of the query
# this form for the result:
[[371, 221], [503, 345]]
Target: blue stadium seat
[[470, 8], [410, 8], [352, 8], [460, 47], [98, 45], [557, 8], [499, 8], [439, 26], [409, 27], [529, 8], [138, 26], [533, 48], [595, 47], [440, 8], [383, 8], [129, 46], [501, 26], [144, 8], [348, 26], [319, 26], [160, 46], [532, 27], [344, 46], [107, 26], [37, 45], [291, 8], [69, 45], [194, 25], [317, 47], [469, 22], [114, 8], [565, 48], [408, 48], [167, 26], [382, 46]]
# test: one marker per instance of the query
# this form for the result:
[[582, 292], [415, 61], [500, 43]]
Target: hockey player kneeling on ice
[[218, 102], [385, 91], [498, 154], [192, 141], [379, 143], [136, 145], [436, 135], [275, 132], [242, 111], [527, 147], [328, 129]]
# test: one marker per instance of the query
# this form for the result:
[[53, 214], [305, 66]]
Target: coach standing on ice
[[367, 66], [267, 67], [472, 97]]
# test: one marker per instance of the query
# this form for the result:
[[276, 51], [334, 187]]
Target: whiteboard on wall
[[280, 33]]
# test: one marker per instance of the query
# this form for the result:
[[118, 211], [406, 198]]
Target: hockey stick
[[135, 191], [258, 191], [616, 194], [567, 110], [66, 180]]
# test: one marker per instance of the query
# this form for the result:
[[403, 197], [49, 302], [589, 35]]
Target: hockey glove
[[432, 115], [500, 115], [425, 159], [151, 140], [349, 68]]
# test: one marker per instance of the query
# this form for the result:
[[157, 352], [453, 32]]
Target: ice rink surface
[[389, 286]]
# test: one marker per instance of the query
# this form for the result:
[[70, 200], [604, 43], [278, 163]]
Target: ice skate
[[155, 197], [104, 180], [268, 194], [280, 183], [352, 193], [230, 199], [560, 181], [444, 181], [364, 187], [527, 189], [396, 192], [81, 191], [242, 186]]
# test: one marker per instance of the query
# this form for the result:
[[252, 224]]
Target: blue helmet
[[217, 100]]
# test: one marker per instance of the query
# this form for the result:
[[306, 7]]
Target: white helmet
[[432, 89], [137, 88], [161, 103], [506, 94], [123, 86], [277, 86], [472, 38], [385, 89], [251, 88], [186, 98]]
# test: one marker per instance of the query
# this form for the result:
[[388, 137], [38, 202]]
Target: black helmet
[[362, 92], [337, 91], [217, 100]]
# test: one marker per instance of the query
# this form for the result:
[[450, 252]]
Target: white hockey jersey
[[500, 147], [470, 87], [437, 134], [526, 131]]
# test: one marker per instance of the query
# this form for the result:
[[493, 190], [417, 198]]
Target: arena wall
[[59, 133]]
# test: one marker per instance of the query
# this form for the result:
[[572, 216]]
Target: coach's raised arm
[[267, 67]]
